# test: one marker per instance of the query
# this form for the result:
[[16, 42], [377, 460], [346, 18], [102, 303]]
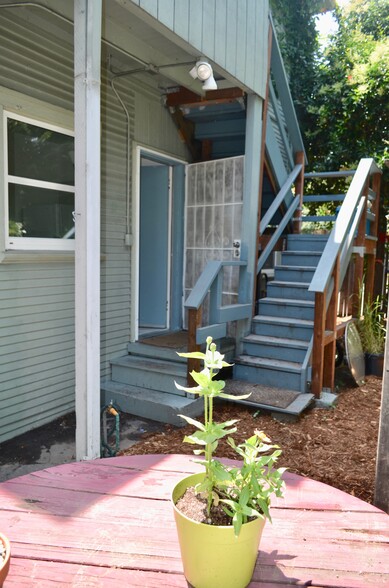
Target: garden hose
[[106, 450]]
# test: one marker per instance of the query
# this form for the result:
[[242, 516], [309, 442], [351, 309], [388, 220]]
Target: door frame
[[140, 151]]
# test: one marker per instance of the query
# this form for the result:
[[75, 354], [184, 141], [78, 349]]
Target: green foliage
[[371, 327], [245, 492], [352, 93]]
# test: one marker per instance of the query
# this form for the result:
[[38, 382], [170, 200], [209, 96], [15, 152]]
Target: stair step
[[268, 372], [282, 327], [149, 373], [156, 353], [295, 290], [306, 242], [278, 364], [283, 307], [282, 348], [301, 258], [290, 273], [155, 405]]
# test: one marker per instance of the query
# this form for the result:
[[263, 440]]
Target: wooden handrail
[[332, 268], [342, 225]]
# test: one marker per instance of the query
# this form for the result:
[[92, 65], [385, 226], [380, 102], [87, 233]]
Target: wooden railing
[[211, 282], [347, 235]]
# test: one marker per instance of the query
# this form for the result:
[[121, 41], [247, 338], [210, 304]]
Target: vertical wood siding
[[37, 299], [232, 33]]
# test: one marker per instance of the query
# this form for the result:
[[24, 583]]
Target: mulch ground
[[336, 446]]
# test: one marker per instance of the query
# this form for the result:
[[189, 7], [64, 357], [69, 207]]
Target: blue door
[[154, 267]]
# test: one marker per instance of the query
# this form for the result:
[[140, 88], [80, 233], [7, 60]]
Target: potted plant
[[220, 513], [5, 555], [372, 331]]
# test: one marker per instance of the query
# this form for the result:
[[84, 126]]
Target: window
[[39, 173]]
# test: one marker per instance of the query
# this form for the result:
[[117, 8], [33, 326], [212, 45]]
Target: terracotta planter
[[4, 562], [211, 555], [374, 364]]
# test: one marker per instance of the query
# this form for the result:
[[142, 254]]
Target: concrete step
[[268, 372], [158, 406], [286, 273], [300, 258], [280, 307], [149, 374], [293, 290], [306, 242], [282, 327], [293, 350]]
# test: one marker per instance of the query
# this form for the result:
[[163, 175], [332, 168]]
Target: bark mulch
[[336, 446]]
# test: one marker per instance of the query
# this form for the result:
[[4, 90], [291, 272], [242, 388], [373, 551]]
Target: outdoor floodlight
[[203, 71]]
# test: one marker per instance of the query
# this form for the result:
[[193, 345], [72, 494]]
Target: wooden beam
[[185, 97], [186, 132], [87, 60]]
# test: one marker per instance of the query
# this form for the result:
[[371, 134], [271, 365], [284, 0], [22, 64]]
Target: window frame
[[32, 243]]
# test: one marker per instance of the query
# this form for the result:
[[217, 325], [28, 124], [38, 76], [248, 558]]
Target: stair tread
[[272, 363], [299, 401], [283, 320], [148, 363], [289, 301], [296, 267], [281, 341], [285, 284], [303, 252], [167, 398]]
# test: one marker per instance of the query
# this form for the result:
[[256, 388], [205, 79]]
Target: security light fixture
[[203, 72]]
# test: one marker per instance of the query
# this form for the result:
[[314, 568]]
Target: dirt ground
[[336, 446]]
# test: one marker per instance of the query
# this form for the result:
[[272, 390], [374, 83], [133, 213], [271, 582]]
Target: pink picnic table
[[109, 523]]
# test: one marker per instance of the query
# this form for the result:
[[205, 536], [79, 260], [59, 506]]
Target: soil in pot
[[194, 507]]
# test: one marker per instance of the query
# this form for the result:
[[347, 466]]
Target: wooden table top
[[109, 523]]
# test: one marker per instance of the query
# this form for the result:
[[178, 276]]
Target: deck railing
[[347, 235]]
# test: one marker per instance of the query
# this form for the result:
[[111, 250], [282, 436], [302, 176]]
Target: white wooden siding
[[37, 297], [232, 33]]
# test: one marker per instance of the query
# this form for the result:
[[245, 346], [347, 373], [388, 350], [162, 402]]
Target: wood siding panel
[[231, 33], [166, 13], [37, 299]]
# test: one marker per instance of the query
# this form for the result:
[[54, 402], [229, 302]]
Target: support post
[[318, 344], [359, 261], [381, 494], [330, 324], [252, 168], [87, 63], [299, 187], [370, 266], [194, 321]]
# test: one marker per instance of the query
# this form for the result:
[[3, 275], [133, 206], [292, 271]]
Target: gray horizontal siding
[[232, 33], [37, 299]]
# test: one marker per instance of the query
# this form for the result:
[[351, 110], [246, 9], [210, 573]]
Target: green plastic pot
[[211, 555]]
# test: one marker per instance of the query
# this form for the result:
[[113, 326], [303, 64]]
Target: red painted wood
[[110, 523]]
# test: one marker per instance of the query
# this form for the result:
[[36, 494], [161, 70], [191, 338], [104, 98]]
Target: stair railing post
[[359, 260], [194, 321], [318, 343], [299, 188], [330, 325], [370, 266]]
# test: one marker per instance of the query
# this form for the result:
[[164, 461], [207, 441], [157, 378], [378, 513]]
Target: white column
[[87, 56]]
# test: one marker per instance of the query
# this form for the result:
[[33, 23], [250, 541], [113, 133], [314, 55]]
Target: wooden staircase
[[275, 351]]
